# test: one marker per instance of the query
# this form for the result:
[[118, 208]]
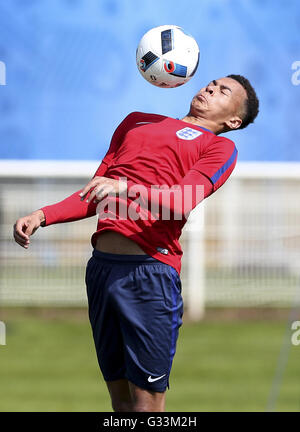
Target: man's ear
[[233, 122]]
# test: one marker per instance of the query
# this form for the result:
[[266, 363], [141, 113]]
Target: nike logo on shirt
[[150, 379]]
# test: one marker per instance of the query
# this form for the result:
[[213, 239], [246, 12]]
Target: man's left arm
[[207, 175], [218, 161]]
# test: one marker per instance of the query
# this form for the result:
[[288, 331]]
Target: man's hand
[[100, 187], [26, 226]]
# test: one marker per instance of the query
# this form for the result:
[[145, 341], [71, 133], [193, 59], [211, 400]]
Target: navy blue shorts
[[135, 310]]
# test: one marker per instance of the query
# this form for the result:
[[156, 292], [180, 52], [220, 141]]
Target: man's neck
[[200, 122]]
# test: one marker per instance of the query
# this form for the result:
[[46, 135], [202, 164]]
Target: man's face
[[221, 101]]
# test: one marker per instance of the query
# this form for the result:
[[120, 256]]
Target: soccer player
[[133, 277]]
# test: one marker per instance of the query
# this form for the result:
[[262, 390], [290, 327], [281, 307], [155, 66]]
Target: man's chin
[[195, 112]]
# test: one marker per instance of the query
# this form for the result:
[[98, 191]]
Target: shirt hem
[[149, 251]]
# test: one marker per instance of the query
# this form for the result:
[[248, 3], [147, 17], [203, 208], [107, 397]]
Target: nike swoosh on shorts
[[150, 379]]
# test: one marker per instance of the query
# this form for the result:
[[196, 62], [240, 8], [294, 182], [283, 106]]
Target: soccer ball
[[167, 56]]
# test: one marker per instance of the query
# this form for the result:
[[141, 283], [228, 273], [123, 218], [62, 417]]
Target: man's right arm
[[70, 209], [73, 208], [26, 226]]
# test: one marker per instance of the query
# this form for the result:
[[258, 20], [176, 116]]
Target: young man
[[133, 283]]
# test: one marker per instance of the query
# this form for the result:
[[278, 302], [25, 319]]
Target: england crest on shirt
[[188, 133]]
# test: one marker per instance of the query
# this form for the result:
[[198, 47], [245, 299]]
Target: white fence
[[245, 254]]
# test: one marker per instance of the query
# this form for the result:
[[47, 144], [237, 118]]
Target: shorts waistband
[[124, 257]]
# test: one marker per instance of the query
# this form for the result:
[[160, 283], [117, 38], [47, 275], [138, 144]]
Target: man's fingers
[[30, 228], [86, 188], [90, 185], [94, 193], [19, 238], [102, 192], [97, 189], [24, 228], [18, 228], [21, 241]]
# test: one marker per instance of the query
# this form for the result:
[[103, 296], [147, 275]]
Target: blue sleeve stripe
[[223, 168]]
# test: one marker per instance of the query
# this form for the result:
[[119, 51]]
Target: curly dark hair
[[251, 103]]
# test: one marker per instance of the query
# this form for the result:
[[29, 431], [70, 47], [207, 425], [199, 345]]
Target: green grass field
[[49, 364]]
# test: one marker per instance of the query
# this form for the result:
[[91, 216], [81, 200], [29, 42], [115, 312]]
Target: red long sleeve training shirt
[[153, 150]]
